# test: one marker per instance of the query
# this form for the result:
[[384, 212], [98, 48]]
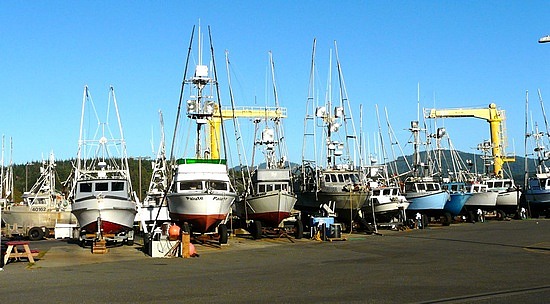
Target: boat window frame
[[117, 186], [187, 185], [101, 186], [217, 185], [85, 187]]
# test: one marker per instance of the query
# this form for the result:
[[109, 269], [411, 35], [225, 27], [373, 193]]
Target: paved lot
[[492, 262]]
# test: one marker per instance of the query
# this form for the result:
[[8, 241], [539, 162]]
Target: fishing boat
[[458, 197], [508, 194], [422, 190], [43, 206], [536, 197], [102, 197], [201, 195], [154, 209], [456, 175], [481, 198], [386, 202], [389, 203], [335, 184], [270, 198]]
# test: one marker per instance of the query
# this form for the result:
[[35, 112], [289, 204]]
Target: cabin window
[[269, 187], [218, 185], [117, 186], [375, 192], [284, 187], [327, 178], [491, 185], [86, 187], [421, 187], [386, 191], [508, 184], [261, 188], [347, 178], [277, 186], [409, 187], [191, 185], [102, 187], [333, 178]]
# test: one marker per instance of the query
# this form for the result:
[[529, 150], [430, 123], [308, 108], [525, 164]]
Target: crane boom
[[239, 112], [496, 119]]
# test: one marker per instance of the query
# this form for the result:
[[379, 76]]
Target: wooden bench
[[19, 249]]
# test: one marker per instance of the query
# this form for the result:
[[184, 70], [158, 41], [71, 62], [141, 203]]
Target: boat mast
[[310, 116]]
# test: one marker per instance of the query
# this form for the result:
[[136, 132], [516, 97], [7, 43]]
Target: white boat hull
[[23, 216], [270, 208], [509, 199], [390, 207], [482, 200], [202, 210], [116, 214], [152, 213]]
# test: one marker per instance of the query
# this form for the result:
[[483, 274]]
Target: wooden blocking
[[185, 241], [99, 247]]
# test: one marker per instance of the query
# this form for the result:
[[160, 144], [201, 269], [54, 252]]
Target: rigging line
[[236, 127], [224, 139], [172, 161], [544, 114], [525, 163]]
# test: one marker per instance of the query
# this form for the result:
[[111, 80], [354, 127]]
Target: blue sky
[[461, 53]]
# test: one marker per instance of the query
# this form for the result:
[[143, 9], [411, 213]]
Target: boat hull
[[270, 208], [390, 208], [116, 214], [508, 201], [23, 216], [456, 203], [346, 204], [152, 213], [482, 200], [203, 211], [537, 200], [427, 202]]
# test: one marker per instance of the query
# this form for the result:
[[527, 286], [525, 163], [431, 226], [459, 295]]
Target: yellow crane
[[496, 119], [238, 112]]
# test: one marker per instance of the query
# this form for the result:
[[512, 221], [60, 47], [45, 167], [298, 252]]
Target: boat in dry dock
[[336, 182], [422, 190], [201, 195], [102, 197], [153, 210], [42, 208], [386, 202], [269, 198]]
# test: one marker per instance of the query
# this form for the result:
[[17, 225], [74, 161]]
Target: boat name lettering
[[194, 198]]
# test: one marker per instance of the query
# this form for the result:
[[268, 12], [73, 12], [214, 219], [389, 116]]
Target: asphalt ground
[[491, 262]]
